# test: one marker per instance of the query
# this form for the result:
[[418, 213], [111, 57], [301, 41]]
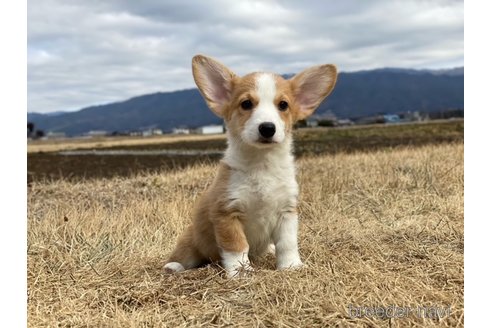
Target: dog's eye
[[283, 105], [247, 104]]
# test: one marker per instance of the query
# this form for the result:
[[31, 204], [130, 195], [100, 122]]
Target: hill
[[357, 94]]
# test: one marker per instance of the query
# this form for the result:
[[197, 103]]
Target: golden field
[[378, 229], [38, 146]]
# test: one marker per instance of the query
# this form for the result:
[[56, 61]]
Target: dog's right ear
[[214, 81]]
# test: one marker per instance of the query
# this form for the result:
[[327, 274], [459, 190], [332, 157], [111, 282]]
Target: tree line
[[33, 133]]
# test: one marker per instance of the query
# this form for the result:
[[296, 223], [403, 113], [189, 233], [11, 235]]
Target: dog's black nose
[[267, 129]]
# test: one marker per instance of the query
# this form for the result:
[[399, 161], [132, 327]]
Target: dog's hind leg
[[185, 256]]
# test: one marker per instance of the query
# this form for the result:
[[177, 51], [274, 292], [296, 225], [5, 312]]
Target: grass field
[[378, 228]]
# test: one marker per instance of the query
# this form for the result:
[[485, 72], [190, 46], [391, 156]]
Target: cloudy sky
[[89, 52]]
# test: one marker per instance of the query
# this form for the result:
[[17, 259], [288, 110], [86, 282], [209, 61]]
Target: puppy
[[252, 202]]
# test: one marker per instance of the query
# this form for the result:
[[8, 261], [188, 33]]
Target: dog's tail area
[[185, 256]]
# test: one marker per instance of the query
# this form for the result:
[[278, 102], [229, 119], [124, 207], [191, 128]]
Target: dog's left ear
[[311, 86], [214, 80]]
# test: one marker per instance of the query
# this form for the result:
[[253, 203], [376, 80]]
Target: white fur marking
[[173, 267], [266, 111], [266, 87], [286, 242], [262, 184], [235, 262]]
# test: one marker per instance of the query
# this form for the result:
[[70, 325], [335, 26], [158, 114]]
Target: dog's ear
[[214, 81], [311, 86]]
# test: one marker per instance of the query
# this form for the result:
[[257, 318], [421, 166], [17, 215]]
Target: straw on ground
[[377, 229]]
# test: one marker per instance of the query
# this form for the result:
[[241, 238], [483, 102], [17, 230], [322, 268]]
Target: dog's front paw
[[271, 249], [290, 265], [236, 264], [173, 267], [242, 271]]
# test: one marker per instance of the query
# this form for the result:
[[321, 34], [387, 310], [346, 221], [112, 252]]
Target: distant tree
[[30, 127], [330, 123], [300, 124], [379, 120], [39, 134]]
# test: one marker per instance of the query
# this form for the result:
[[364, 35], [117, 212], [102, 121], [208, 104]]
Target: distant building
[[344, 122], [55, 135], [151, 132], [181, 131], [412, 116], [97, 133], [210, 129], [312, 122], [391, 118]]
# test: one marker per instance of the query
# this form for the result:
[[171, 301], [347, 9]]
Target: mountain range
[[356, 94]]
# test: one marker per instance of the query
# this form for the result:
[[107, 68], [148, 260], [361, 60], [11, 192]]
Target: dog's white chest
[[262, 196]]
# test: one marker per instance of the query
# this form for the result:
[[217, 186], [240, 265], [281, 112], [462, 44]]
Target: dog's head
[[261, 108]]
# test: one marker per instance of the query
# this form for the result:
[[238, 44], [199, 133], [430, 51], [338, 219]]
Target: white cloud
[[93, 52]]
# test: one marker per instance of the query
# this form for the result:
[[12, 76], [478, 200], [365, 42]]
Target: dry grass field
[[378, 229], [44, 160], [53, 145]]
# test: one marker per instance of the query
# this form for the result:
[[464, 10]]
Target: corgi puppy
[[252, 202]]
